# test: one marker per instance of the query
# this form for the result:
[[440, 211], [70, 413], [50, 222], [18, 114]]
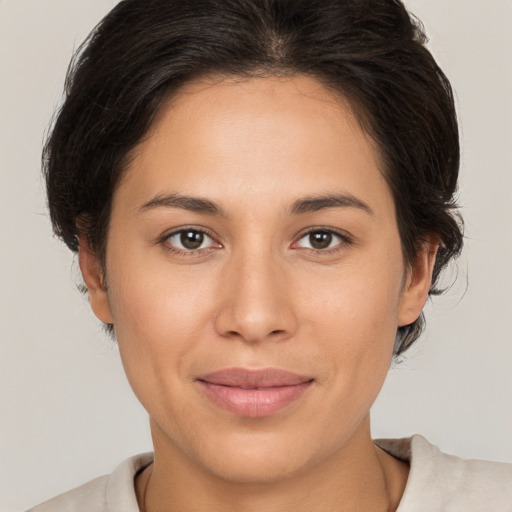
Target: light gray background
[[67, 413]]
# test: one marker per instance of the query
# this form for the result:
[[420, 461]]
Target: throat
[[378, 488]]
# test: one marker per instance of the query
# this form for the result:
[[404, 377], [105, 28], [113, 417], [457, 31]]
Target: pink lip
[[254, 393]]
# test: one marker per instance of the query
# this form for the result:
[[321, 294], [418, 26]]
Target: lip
[[254, 393]]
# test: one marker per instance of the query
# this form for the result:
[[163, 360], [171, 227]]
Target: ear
[[418, 280], [94, 281]]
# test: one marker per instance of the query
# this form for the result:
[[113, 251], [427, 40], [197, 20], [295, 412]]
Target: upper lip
[[250, 378]]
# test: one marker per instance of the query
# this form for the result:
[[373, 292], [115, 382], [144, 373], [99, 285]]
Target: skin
[[256, 294]]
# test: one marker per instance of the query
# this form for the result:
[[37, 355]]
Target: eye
[[320, 239], [187, 240]]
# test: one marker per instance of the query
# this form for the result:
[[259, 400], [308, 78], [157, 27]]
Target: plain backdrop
[[67, 413]]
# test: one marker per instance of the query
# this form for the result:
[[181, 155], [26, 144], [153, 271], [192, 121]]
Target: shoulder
[[108, 493], [90, 496], [443, 482]]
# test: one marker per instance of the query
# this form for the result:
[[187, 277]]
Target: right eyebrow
[[190, 203]]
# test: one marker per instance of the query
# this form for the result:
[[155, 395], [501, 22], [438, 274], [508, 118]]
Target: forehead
[[257, 137]]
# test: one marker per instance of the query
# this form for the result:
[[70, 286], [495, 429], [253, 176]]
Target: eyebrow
[[193, 204], [316, 203], [301, 206]]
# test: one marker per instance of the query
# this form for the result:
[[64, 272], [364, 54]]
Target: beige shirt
[[437, 483]]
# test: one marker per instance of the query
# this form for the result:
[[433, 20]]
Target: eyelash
[[343, 238], [165, 241]]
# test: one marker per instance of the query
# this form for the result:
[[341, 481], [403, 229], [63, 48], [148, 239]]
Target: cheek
[[159, 319], [356, 303], [354, 320]]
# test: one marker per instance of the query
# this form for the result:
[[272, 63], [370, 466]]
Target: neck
[[360, 476]]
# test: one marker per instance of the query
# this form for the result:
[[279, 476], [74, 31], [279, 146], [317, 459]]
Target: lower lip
[[254, 403]]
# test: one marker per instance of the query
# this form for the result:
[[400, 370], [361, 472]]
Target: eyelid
[[345, 239], [164, 240]]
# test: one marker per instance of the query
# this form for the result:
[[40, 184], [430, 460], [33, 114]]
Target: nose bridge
[[256, 301]]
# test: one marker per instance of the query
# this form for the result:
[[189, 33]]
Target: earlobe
[[94, 281], [417, 284]]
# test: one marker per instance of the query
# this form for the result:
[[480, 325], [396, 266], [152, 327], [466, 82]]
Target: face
[[255, 276]]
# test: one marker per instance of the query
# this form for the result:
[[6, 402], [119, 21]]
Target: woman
[[261, 197]]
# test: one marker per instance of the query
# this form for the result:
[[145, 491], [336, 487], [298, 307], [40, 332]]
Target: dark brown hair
[[372, 52]]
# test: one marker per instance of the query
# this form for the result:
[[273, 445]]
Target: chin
[[256, 457], [261, 467]]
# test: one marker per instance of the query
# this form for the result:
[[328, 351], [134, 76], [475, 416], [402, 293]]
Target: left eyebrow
[[315, 203]]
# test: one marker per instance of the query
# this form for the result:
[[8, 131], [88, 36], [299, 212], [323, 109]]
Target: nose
[[256, 301]]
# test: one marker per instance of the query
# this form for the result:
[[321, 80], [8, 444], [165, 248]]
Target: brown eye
[[321, 239], [191, 239], [187, 240]]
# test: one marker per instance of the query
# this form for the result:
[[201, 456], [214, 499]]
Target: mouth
[[254, 393]]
